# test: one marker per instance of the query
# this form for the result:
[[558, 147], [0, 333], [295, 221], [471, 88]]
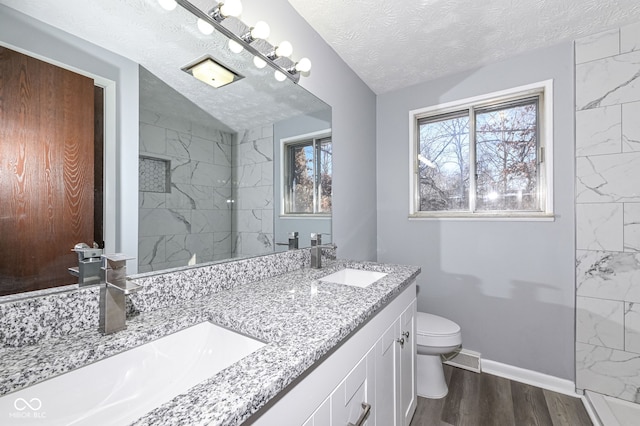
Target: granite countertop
[[299, 317]]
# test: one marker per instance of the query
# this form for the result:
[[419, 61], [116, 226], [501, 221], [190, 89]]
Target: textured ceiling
[[394, 44], [164, 42]]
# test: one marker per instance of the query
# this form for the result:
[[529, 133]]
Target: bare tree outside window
[[443, 164], [506, 152], [302, 179], [492, 148], [308, 175], [326, 187]]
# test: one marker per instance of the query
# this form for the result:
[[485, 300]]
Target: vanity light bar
[[292, 73]]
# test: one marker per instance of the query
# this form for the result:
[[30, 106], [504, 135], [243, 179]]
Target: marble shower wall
[[607, 73], [194, 218], [253, 192]]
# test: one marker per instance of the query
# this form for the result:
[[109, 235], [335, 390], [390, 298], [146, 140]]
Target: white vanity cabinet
[[395, 371], [346, 404], [386, 373], [405, 366], [371, 368], [352, 400], [322, 416]]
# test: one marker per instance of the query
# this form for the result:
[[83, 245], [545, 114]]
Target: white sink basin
[[120, 389], [354, 277]]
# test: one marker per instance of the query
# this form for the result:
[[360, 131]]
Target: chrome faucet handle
[[129, 287], [88, 269], [85, 252], [293, 241], [316, 239], [316, 249], [116, 260], [115, 269]]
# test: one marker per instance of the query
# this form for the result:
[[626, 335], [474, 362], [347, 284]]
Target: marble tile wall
[[194, 219], [607, 73], [253, 192]]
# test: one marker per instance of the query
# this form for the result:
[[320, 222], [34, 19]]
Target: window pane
[[325, 176], [506, 155], [443, 163], [302, 179]]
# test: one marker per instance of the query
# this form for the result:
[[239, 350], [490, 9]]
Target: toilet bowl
[[435, 336]]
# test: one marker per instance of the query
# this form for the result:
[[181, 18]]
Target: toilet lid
[[433, 325]]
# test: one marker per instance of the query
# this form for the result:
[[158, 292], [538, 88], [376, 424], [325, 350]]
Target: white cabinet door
[[322, 416], [407, 361], [396, 371], [387, 369], [353, 399]]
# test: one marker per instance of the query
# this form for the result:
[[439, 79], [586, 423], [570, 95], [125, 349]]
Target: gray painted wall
[[510, 285], [353, 124], [292, 127], [29, 36]]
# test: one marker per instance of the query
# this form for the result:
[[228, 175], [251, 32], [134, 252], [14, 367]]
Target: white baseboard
[[545, 381]]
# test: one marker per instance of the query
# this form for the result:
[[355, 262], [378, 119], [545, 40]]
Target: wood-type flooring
[[486, 400]]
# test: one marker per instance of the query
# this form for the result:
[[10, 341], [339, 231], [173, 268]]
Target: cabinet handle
[[365, 413], [401, 341], [406, 335]]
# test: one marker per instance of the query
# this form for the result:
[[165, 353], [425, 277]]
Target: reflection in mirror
[[209, 173], [305, 175], [49, 162], [184, 180]]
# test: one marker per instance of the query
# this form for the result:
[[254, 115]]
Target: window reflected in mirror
[[308, 176]]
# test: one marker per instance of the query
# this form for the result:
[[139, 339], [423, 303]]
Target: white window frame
[[545, 134], [321, 134]]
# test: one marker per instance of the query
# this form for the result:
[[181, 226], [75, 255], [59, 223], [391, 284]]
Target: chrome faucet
[[88, 269], [293, 241], [316, 250], [113, 313]]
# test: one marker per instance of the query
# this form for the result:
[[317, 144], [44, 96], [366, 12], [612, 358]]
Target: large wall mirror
[[215, 165]]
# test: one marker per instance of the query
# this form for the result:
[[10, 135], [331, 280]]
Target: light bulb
[[279, 76], [231, 8], [168, 4], [259, 62], [260, 30], [284, 49], [303, 65], [205, 27], [235, 47]]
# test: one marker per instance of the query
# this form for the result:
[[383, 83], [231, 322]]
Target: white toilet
[[436, 336]]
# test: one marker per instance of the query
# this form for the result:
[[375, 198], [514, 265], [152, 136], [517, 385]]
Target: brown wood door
[[46, 171]]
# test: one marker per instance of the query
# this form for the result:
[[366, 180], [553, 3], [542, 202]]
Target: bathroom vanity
[[370, 376], [328, 348]]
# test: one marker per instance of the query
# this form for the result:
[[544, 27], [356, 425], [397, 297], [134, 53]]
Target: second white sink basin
[[120, 389], [354, 277]]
